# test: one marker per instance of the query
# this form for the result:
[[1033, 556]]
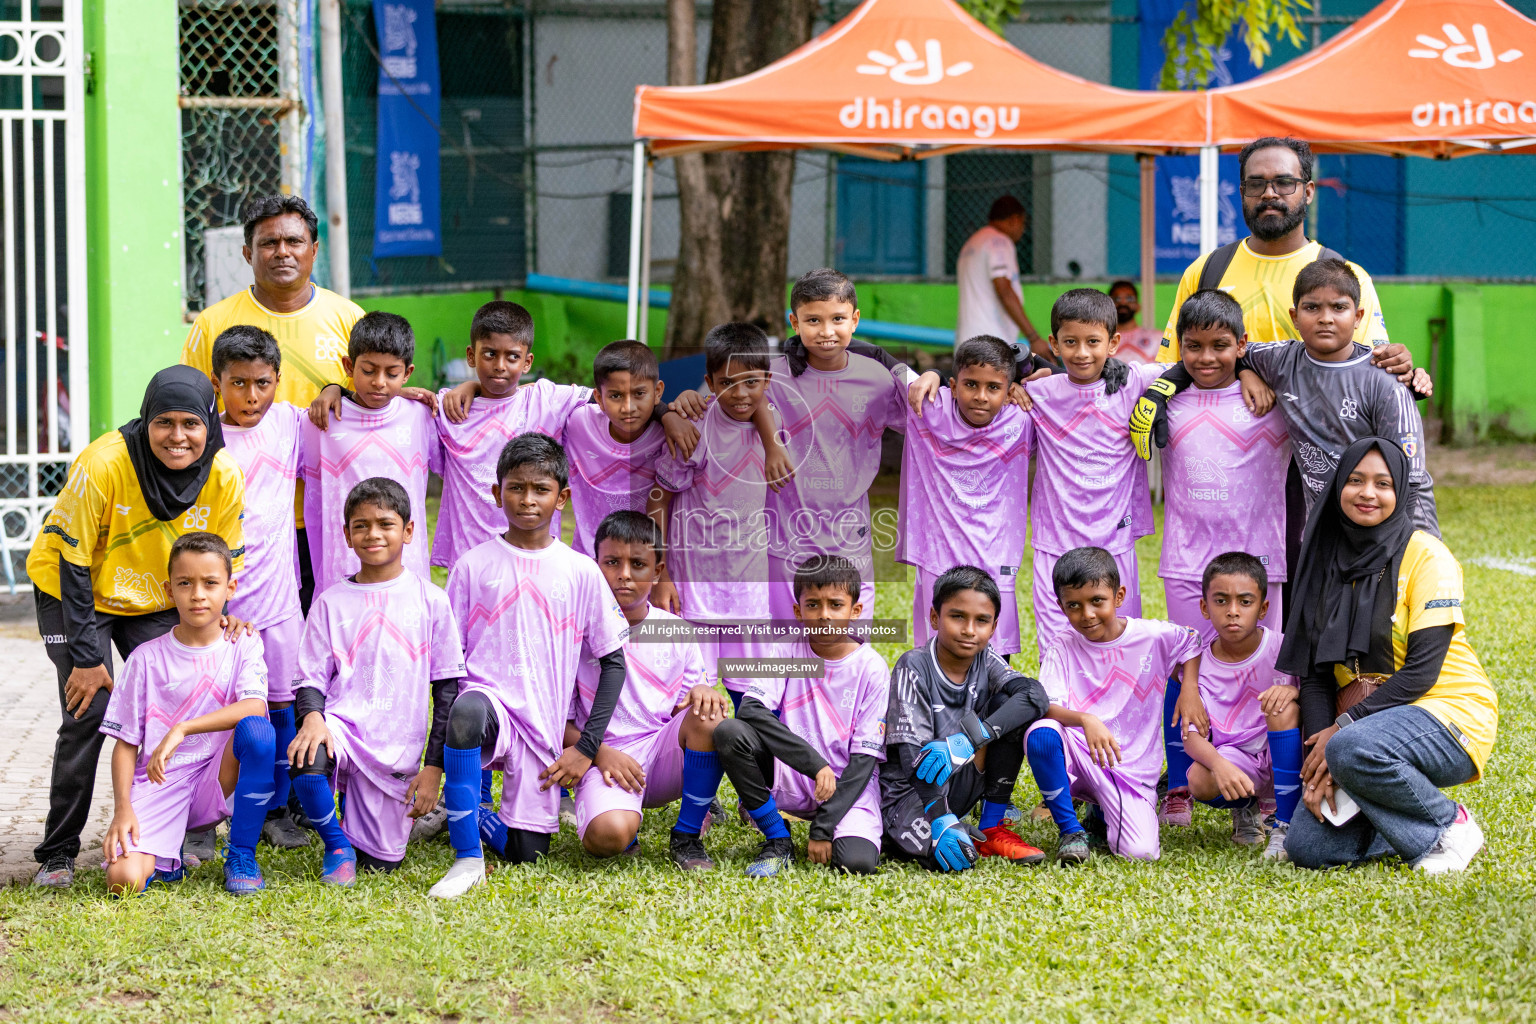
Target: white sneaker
[[568, 810], [466, 873], [1455, 848], [1275, 851]]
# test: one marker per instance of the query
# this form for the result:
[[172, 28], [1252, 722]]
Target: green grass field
[[1208, 933]]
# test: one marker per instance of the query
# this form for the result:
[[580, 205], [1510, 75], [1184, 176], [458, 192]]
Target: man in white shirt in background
[[987, 271]]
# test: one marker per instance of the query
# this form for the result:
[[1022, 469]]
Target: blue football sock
[[493, 831], [1048, 762], [991, 814], [702, 772], [1285, 754], [767, 818], [1223, 804], [254, 748], [319, 805], [1173, 739], [736, 699], [461, 783], [486, 796], [285, 728]]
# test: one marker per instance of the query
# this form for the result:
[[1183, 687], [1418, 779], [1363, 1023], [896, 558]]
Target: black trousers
[[1295, 524], [78, 746], [750, 765], [306, 573]]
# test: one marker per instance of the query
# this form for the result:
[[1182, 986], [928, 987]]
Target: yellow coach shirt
[[102, 522], [1262, 285], [313, 339], [1429, 593]]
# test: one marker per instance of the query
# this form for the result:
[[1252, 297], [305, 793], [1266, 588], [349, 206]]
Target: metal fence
[[535, 143]]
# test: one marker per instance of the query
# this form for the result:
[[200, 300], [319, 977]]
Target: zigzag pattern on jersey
[[370, 443], [1246, 442], [1244, 706], [725, 476], [207, 666], [1088, 411], [801, 418], [668, 686], [979, 444], [1137, 687], [469, 444], [815, 693], [376, 620], [480, 615], [255, 459], [635, 467]]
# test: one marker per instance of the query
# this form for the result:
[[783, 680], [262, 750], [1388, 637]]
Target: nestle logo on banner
[[400, 67], [908, 68], [1478, 55], [405, 184]]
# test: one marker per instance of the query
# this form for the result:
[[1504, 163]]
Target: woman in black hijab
[[98, 570], [1394, 704]]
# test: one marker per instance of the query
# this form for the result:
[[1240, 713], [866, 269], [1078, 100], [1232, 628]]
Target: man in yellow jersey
[[1260, 270], [311, 324]]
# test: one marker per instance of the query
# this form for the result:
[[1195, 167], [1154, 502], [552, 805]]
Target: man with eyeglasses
[[1259, 271]]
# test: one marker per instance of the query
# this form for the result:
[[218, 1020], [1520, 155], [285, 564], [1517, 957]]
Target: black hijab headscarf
[[170, 492], [1346, 583]]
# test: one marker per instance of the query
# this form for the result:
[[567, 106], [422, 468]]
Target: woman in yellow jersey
[[98, 570], [1378, 603]]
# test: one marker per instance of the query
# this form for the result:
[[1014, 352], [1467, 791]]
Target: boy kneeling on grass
[[197, 700], [941, 755], [827, 730]]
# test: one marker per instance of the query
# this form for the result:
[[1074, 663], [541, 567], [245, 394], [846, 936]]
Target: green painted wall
[[133, 201]]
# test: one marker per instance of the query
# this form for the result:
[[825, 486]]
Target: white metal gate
[[44, 383]]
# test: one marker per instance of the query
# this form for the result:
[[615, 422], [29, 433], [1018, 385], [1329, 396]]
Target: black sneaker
[[773, 857], [1073, 848], [57, 872], [688, 852], [199, 848], [281, 831]]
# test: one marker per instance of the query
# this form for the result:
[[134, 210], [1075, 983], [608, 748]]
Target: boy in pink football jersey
[[377, 645], [193, 742], [528, 607], [265, 440], [1105, 676], [660, 742], [712, 504], [964, 477], [1223, 468], [375, 433], [1090, 487], [1254, 745], [811, 743]]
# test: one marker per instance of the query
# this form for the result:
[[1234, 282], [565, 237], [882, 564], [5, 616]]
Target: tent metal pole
[[646, 211], [1148, 240], [1210, 182], [632, 314]]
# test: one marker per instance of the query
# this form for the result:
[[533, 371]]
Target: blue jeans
[[1394, 764]]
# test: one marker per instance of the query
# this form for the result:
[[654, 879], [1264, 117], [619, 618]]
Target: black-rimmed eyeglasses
[[1253, 188]]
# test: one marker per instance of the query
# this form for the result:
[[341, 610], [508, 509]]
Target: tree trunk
[[743, 197]]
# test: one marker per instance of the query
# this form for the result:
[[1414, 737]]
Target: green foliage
[[993, 13], [1190, 39]]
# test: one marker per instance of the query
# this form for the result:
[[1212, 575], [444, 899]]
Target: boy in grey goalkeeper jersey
[[955, 734]]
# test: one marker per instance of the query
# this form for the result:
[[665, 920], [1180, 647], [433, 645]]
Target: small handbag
[[1362, 686]]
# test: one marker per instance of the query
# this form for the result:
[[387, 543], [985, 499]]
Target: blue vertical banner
[[407, 208], [1178, 177]]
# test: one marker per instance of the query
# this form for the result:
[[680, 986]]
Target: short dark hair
[[740, 342], [966, 577], [1235, 563], [984, 350], [626, 356], [245, 343], [200, 542], [827, 571], [1085, 306], [266, 207], [1124, 282], [502, 317], [1298, 146], [627, 526], [1083, 567], [1004, 207], [823, 285], [1329, 273], [388, 334], [1210, 307], [380, 491], [540, 451]]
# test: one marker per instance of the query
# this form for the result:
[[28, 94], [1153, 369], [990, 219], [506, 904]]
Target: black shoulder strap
[[1216, 265], [1326, 253]]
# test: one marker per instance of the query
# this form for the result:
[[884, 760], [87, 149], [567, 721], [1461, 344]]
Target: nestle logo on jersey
[[1207, 494]]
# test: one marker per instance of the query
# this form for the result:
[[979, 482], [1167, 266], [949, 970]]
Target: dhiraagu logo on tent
[[907, 67], [1453, 47]]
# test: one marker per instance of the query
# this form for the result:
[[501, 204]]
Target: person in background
[[1138, 343], [987, 272]]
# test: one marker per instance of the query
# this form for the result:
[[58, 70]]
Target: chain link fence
[[535, 125]]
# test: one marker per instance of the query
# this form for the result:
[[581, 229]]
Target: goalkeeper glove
[[1149, 420], [939, 758], [953, 847]]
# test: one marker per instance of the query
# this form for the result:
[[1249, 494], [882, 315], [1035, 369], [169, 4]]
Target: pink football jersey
[[657, 678], [1230, 692], [607, 475], [842, 713], [271, 455]]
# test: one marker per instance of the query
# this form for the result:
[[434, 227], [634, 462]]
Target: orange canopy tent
[[1435, 78], [900, 79]]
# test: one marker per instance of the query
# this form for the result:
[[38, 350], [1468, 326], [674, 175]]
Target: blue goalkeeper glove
[[952, 844], [939, 758]]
